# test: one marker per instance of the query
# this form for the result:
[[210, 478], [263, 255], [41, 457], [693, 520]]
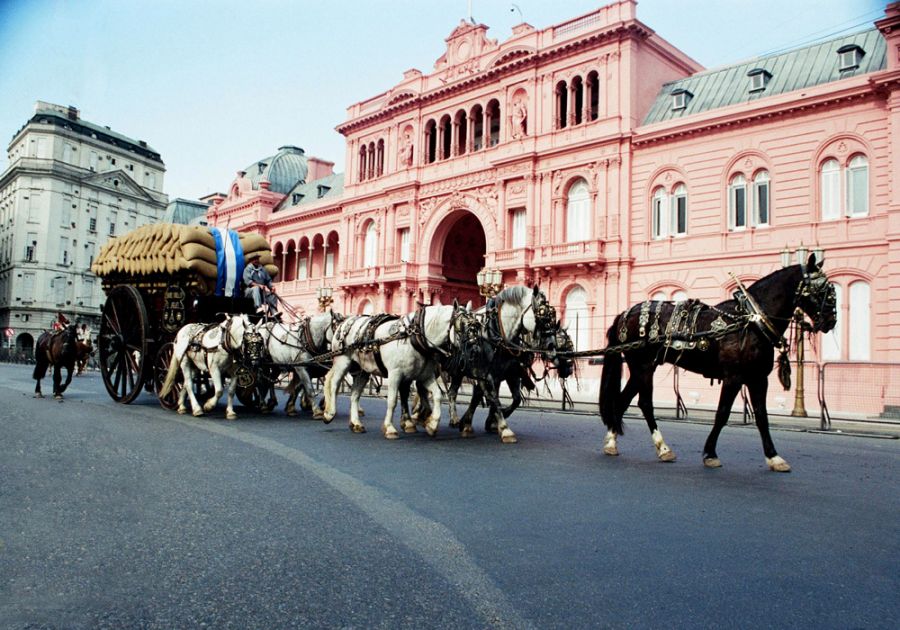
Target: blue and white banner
[[230, 262]]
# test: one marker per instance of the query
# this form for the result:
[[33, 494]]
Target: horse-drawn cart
[[158, 278]]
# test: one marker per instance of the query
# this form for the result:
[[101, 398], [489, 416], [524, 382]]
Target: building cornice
[[318, 213]]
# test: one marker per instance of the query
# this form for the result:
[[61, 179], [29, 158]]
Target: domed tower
[[283, 170]]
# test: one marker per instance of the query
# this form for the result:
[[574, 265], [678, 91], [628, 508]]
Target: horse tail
[[41, 362], [171, 375], [611, 384]]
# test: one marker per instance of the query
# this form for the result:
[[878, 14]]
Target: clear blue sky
[[215, 85]]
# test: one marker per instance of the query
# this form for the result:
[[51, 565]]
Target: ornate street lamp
[[799, 321], [324, 295], [490, 282]]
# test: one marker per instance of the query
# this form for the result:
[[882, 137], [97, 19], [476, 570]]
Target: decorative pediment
[[400, 95], [465, 45], [117, 181], [510, 55]]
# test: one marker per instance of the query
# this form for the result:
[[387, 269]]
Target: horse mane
[[516, 294]]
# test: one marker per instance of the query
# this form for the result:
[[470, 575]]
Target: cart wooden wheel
[[160, 369], [123, 343], [202, 387]]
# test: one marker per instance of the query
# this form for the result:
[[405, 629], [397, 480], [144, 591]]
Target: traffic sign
[[9, 332]]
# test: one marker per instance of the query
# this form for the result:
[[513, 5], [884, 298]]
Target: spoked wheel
[[160, 369], [123, 343]]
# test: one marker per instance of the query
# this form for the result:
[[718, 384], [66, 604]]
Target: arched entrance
[[25, 345], [461, 256]]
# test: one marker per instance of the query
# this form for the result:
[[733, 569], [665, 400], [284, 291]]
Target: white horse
[[401, 350], [209, 348], [289, 346], [85, 348]]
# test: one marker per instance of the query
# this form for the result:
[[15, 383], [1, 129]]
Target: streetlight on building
[[490, 282], [325, 296]]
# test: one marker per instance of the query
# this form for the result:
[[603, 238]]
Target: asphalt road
[[132, 516]]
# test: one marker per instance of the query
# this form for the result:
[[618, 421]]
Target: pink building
[[596, 159]]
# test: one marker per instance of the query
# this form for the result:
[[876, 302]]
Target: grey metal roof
[[792, 70], [304, 193], [283, 170], [184, 211], [85, 127]]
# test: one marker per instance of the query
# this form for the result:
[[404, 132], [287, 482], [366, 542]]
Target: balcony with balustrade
[[576, 253]]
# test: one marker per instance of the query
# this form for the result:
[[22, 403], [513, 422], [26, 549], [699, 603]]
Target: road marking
[[431, 541]]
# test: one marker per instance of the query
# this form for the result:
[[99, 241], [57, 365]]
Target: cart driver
[[258, 285]]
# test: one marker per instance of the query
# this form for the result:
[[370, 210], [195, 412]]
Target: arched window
[[858, 187], [379, 158], [859, 338], [446, 136], [371, 245], [493, 114], [659, 213], [761, 198], [371, 170], [830, 190], [577, 317], [679, 296], [477, 128], [578, 100], [679, 210], [659, 296], [831, 342], [430, 141], [593, 95], [366, 308], [578, 212], [362, 163], [562, 102], [462, 132], [737, 202]]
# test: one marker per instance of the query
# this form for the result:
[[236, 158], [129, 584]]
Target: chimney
[[889, 26], [317, 168], [72, 112]]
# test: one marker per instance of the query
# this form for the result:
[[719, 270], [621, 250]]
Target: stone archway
[[25, 344], [461, 245]]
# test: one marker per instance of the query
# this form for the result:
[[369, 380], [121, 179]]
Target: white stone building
[[69, 186]]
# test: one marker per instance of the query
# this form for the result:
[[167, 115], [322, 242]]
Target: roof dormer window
[[680, 99], [323, 190], [296, 197], [759, 78], [849, 57]]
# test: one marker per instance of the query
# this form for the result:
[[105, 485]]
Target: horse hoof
[[509, 438], [410, 428], [320, 416], [712, 462], [38, 395], [362, 413], [390, 433], [454, 424], [667, 456], [327, 417], [356, 428], [291, 413], [198, 413], [431, 432], [612, 451], [182, 411], [231, 416], [777, 464], [467, 432]]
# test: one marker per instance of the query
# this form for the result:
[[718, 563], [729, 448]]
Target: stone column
[[470, 133]]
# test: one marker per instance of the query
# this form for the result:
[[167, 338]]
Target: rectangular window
[[113, 217], [65, 213], [58, 285], [31, 246], [830, 186], [329, 264], [92, 224], [94, 159], [404, 245], [860, 314], [857, 191], [831, 342], [680, 218], [761, 199], [35, 200], [302, 273], [739, 207], [28, 286], [87, 292], [518, 229], [658, 218], [67, 152], [64, 251], [91, 251]]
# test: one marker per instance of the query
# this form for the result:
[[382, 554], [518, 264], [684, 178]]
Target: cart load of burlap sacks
[[171, 248]]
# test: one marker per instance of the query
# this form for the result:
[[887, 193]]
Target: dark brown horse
[[733, 341], [60, 350]]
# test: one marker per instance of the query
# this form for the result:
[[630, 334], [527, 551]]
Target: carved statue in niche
[[406, 149], [520, 119]]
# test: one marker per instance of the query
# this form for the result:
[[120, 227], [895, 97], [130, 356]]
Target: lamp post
[[490, 282], [799, 410], [324, 295]]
